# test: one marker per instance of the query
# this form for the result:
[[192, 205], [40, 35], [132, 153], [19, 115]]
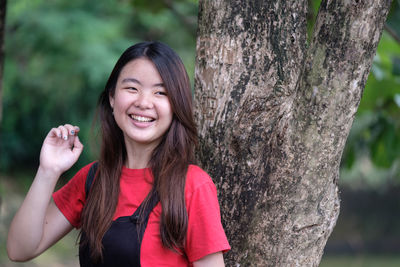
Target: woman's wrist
[[48, 174]]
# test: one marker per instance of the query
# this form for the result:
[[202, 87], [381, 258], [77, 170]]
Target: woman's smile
[[141, 118]]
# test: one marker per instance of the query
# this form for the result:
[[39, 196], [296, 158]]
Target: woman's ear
[[111, 99]]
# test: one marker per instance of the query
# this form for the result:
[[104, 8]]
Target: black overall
[[121, 243]]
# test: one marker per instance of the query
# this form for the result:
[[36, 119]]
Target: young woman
[[147, 205]]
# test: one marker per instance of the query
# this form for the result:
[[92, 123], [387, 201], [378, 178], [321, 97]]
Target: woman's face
[[141, 105]]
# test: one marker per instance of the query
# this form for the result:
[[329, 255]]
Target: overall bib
[[121, 242]]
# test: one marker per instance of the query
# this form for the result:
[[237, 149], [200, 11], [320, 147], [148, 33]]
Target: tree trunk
[[3, 5], [274, 114]]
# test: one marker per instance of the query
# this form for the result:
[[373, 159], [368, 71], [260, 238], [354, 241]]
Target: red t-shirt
[[205, 234]]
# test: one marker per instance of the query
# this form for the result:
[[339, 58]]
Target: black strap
[[142, 213], [90, 177]]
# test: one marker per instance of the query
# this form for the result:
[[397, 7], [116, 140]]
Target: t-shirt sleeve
[[71, 197], [205, 234]]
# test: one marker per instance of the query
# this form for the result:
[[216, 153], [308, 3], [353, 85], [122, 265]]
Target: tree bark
[[3, 5], [273, 116]]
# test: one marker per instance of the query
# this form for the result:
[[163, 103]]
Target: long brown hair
[[169, 161]]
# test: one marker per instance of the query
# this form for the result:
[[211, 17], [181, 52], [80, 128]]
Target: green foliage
[[58, 57], [375, 136]]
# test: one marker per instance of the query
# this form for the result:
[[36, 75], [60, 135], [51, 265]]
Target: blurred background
[[58, 55]]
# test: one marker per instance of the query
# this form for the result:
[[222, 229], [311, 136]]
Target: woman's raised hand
[[61, 149]]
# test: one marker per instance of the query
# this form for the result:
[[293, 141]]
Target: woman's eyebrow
[[158, 85], [126, 80]]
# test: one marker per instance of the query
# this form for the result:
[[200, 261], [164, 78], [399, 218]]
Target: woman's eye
[[132, 88], [161, 93]]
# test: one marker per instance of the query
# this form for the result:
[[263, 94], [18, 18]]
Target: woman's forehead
[[140, 71]]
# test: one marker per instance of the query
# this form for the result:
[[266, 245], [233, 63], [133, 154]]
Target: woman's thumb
[[78, 147]]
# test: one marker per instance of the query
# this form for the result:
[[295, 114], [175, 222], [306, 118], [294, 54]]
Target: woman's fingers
[[71, 130], [64, 131], [55, 132], [75, 130]]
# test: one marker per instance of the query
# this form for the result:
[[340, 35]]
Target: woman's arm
[[211, 260], [38, 223]]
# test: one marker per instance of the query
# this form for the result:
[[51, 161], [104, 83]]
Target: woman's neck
[[138, 155]]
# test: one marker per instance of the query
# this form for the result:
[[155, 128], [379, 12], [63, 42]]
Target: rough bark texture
[[273, 117], [3, 4]]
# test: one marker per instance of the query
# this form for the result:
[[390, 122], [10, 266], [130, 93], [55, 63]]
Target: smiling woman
[[148, 205], [141, 108]]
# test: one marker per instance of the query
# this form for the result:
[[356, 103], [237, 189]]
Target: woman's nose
[[143, 101]]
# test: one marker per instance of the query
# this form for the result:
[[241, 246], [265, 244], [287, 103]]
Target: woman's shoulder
[[85, 169], [80, 177], [196, 177], [197, 173]]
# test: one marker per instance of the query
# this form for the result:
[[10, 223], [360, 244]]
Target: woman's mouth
[[141, 118]]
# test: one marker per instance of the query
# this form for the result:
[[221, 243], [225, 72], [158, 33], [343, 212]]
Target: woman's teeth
[[141, 119]]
